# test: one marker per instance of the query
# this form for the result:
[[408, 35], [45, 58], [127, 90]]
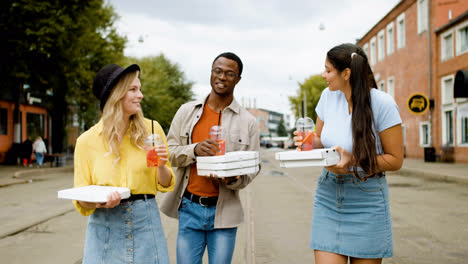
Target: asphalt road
[[429, 220]]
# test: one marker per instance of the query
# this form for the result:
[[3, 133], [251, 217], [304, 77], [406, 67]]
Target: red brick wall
[[408, 66], [443, 69], [441, 10]]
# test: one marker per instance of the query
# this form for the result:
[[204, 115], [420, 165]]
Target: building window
[[381, 43], [372, 51], [366, 49], [447, 90], [382, 85], [462, 38], [401, 32], [390, 39], [424, 134], [422, 16], [391, 86], [447, 127], [464, 130], [3, 121], [35, 124], [446, 46]]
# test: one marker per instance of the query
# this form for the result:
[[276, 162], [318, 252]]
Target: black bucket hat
[[107, 77]]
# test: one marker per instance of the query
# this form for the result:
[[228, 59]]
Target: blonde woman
[[39, 149], [111, 153]]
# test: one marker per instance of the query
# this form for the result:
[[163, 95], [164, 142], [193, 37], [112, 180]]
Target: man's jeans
[[196, 231]]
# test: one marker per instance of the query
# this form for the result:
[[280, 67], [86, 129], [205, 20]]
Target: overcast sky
[[279, 42]]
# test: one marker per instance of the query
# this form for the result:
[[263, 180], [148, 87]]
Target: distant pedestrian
[[26, 152], [208, 208], [111, 153], [351, 215], [39, 149]]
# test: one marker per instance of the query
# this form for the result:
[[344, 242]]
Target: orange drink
[[222, 147], [152, 158], [217, 134], [151, 142], [307, 140]]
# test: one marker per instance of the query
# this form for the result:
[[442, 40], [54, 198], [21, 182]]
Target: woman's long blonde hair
[[113, 114]]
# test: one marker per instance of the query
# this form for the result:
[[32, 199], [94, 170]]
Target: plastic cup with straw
[[151, 141], [305, 127], [217, 134]]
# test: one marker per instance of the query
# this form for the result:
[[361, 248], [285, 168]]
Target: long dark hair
[[362, 121]]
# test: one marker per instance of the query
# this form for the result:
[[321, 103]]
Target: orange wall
[[7, 140], [441, 10]]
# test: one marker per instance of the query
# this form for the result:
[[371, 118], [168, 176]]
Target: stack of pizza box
[[316, 157], [231, 164]]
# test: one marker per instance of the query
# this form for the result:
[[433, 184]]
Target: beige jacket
[[242, 134]]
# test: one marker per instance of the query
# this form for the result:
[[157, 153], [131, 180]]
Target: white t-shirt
[[332, 109]]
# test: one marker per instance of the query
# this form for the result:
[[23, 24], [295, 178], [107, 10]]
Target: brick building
[[267, 121], [417, 48]]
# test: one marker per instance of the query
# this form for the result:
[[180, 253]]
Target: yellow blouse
[[93, 167]]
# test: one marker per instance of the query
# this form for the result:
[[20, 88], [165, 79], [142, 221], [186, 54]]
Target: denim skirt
[[128, 233], [352, 217]]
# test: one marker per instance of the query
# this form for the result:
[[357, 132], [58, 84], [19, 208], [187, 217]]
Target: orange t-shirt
[[203, 185]]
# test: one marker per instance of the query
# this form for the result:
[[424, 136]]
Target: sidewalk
[[439, 171]]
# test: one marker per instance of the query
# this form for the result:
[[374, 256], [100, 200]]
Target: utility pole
[[305, 103]]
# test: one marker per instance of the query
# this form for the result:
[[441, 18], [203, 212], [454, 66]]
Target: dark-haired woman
[[351, 217]]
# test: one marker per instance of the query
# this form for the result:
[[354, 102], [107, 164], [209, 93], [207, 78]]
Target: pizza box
[[316, 157], [307, 155], [229, 173], [227, 165], [229, 157], [93, 193], [309, 163]]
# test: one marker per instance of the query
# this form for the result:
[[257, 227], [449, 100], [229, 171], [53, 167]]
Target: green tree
[[164, 86], [282, 131], [57, 47], [313, 87]]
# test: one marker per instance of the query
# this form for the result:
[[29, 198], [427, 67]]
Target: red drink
[[307, 140], [152, 158], [222, 147]]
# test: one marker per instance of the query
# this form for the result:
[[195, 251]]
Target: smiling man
[[209, 209]]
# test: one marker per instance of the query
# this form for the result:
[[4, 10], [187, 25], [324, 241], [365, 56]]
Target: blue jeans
[[196, 231], [39, 158]]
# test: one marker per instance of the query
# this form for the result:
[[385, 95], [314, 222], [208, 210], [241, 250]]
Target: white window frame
[[381, 45], [422, 15], [366, 49], [381, 85], [391, 88], [459, 126], [444, 125], [443, 46], [458, 39], [421, 134], [401, 37], [390, 38], [403, 131], [373, 54], [446, 101]]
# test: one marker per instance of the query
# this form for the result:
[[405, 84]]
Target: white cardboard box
[[231, 164], [92, 193], [229, 173], [316, 157], [229, 157], [227, 165]]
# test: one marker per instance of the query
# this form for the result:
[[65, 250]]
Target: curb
[[34, 223], [44, 171], [432, 176]]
